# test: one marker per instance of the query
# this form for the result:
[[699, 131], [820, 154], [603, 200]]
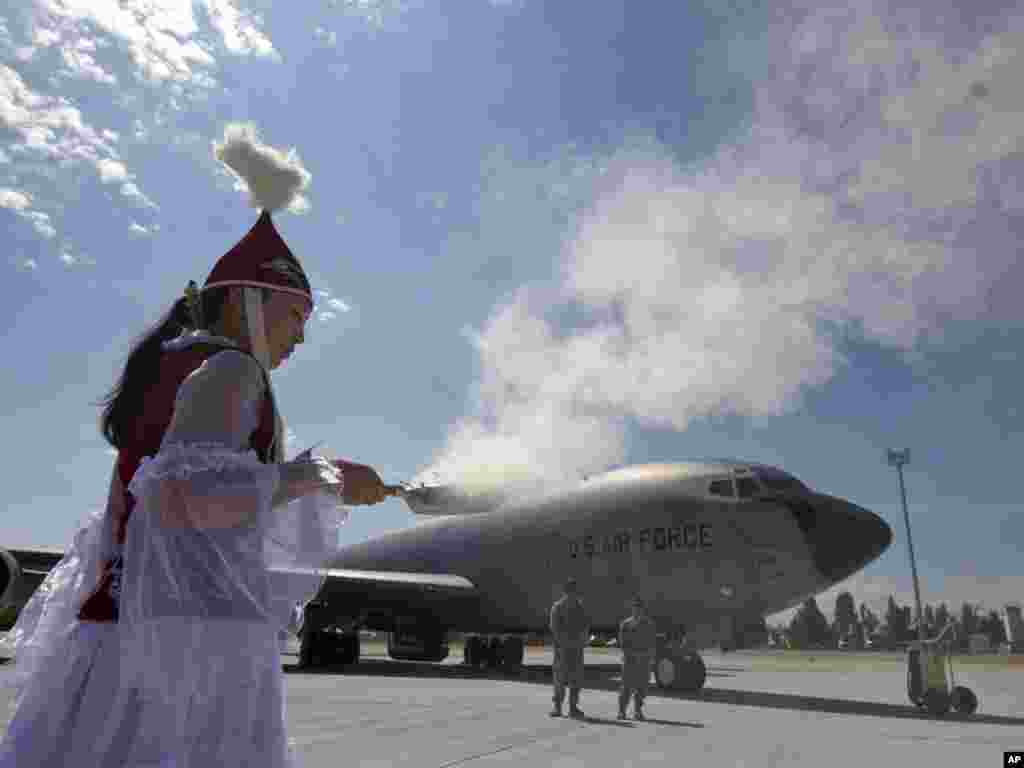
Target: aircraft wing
[[378, 596], [373, 594]]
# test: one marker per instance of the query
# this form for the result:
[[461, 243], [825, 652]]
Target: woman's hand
[[362, 484]]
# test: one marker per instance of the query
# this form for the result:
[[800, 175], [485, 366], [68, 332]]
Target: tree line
[[861, 626]]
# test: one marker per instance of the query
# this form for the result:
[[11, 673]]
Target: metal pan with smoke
[[877, 191]]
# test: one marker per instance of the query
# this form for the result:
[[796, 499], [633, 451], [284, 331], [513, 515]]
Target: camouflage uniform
[[637, 640], [570, 629]]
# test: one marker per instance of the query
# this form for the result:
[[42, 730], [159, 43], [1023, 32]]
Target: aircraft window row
[[746, 487], [778, 481], [721, 487]]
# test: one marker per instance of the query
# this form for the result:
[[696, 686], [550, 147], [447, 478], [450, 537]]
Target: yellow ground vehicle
[[930, 680]]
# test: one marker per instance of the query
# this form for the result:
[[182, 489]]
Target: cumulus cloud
[[339, 305], [80, 63], [131, 190], [172, 55], [875, 193], [20, 203], [162, 37], [240, 31], [47, 125], [272, 178], [41, 223], [111, 170], [15, 200], [114, 171], [324, 36]]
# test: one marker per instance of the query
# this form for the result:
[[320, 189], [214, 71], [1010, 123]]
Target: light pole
[[898, 459]]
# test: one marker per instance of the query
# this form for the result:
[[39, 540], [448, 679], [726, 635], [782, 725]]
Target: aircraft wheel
[[937, 702], [666, 672], [311, 648], [493, 654], [692, 673], [512, 653], [472, 652], [348, 649], [685, 672], [964, 701]]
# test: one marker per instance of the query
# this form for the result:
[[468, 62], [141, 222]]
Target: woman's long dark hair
[[122, 404]]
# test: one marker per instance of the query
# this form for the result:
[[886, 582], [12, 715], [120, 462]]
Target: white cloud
[[161, 36], [20, 202], [114, 171], [325, 316], [240, 32], [47, 125], [339, 305], [715, 288], [41, 223], [12, 198], [81, 64], [322, 293], [111, 170], [138, 229], [30, 265], [167, 46], [130, 190], [324, 36]]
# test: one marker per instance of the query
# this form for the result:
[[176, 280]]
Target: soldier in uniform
[[637, 641], [570, 629]]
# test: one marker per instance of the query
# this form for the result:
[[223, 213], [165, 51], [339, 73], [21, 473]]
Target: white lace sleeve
[[211, 567]]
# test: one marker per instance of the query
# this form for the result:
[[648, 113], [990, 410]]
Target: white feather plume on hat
[[273, 178]]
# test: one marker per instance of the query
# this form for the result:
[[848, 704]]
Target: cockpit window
[[777, 480], [747, 487], [722, 487]]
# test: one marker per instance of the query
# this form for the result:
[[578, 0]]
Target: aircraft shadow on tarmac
[[605, 677]]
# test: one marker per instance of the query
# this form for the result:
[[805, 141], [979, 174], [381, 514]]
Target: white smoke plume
[[878, 192], [273, 179]]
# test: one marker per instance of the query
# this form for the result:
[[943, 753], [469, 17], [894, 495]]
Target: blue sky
[[560, 235]]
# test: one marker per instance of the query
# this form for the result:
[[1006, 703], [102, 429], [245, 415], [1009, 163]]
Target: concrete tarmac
[[383, 713]]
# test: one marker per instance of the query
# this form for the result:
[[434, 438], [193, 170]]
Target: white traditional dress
[[215, 556]]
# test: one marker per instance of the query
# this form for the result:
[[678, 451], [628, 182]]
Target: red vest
[[146, 434]]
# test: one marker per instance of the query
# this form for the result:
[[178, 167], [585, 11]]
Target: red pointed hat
[[261, 259]]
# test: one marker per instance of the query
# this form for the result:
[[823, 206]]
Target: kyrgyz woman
[[154, 642]]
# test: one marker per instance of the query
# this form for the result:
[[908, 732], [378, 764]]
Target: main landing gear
[[322, 644], [492, 652], [679, 669]]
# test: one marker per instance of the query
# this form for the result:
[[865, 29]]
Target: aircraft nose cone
[[845, 537]]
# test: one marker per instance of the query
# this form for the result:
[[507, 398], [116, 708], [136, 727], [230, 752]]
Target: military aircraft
[[710, 545]]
